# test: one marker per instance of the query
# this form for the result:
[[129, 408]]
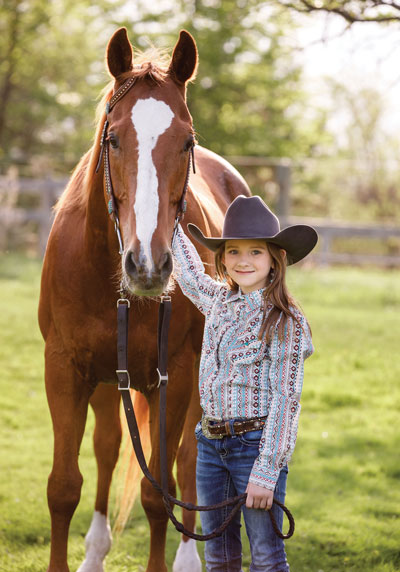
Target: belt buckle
[[204, 427]]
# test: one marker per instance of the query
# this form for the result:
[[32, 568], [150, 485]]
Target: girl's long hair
[[275, 294]]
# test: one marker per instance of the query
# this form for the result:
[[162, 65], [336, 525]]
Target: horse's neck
[[100, 240]]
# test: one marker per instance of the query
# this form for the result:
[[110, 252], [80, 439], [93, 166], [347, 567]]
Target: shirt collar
[[253, 299]]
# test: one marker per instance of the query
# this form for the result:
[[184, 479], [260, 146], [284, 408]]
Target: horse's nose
[[137, 268], [165, 265], [131, 265]]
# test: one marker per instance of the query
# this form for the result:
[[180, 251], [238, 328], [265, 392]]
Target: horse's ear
[[119, 53], [184, 58]]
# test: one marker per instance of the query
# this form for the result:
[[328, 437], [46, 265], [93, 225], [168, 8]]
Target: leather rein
[[124, 382]]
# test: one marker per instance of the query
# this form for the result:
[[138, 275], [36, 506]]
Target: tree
[[50, 76], [357, 176], [247, 98], [351, 10]]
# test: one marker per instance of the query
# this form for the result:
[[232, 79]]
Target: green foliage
[[354, 175], [247, 82], [247, 98], [50, 77], [382, 11], [343, 484]]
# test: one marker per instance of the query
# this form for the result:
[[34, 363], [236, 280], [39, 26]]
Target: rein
[[124, 382]]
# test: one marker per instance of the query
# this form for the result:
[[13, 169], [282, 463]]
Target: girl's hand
[[259, 497]]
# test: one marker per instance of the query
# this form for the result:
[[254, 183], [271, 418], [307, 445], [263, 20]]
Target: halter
[[105, 153]]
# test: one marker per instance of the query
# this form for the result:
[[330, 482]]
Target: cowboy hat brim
[[297, 240]]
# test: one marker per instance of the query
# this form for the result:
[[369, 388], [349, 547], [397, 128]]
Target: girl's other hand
[[259, 497]]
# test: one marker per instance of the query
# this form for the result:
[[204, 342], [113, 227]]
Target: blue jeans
[[223, 469]]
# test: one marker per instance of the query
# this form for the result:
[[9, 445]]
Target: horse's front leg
[[178, 398], [107, 439], [68, 397]]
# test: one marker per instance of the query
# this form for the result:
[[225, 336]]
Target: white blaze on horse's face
[[150, 117]]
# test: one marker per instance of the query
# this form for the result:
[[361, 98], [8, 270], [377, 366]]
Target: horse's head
[[150, 135]]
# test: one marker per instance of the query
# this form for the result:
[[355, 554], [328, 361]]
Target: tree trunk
[[7, 86]]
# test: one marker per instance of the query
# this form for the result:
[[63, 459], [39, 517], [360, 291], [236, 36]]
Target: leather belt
[[218, 429]]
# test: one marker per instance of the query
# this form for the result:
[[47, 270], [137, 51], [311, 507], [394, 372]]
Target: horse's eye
[[113, 139], [188, 143]]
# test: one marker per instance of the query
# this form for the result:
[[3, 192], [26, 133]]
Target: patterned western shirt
[[241, 376]]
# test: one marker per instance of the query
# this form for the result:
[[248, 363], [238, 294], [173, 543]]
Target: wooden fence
[[386, 239], [28, 202]]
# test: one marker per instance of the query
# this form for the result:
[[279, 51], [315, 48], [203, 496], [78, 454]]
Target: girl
[[251, 374]]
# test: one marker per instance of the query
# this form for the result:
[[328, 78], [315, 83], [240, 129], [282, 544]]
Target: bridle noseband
[[105, 153]]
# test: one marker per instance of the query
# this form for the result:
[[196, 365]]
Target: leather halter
[[105, 152]]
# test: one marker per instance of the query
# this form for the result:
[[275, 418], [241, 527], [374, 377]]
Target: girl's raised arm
[[190, 274]]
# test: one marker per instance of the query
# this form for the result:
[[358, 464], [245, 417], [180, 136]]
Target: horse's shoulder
[[222, 173]]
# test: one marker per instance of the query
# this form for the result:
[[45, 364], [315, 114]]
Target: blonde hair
[[275, 293]]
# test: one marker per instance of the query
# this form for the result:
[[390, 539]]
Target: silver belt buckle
[[204, 427]]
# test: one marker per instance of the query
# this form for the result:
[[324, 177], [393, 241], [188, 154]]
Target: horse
[[149, 135]]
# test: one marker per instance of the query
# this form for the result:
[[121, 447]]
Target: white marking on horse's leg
[[98, 543], [187, 557], [150, 117]]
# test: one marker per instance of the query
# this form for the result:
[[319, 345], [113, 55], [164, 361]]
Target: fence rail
[[329, 231], [43, 193]]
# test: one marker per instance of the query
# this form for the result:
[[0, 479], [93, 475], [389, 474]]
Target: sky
[[367, 54]]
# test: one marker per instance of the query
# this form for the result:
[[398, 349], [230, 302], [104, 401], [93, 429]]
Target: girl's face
[[248, 263]]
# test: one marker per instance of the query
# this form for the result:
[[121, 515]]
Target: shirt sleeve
[[190, 274], [285, 385]]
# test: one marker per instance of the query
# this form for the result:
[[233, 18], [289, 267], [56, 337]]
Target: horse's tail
[[129, 472]]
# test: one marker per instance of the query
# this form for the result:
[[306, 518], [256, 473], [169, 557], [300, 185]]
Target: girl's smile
[[248, 263]]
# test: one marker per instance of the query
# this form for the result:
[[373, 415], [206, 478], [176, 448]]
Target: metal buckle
[[119, 236], [124, 380], [123, 301], [204, 427], [161, 378]]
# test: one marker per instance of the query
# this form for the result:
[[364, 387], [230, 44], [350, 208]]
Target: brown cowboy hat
[[250, 218]]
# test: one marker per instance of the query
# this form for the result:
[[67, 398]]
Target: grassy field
[[344, 479]]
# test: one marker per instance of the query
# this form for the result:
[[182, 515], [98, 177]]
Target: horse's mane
[[152, 66]]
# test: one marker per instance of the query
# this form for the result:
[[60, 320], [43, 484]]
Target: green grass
[[344, 479]]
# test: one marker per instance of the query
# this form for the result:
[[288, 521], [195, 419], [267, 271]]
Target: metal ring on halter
[[118, 231]]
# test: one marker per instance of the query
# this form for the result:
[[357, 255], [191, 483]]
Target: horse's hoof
[[187, 557], [98, 543], [92, 565]]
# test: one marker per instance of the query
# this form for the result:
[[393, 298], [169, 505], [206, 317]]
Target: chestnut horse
[[150, 135]]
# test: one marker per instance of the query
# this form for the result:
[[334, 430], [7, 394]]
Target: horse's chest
[[95, 354]]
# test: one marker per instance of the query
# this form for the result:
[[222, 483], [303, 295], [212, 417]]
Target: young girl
[[251, 375]]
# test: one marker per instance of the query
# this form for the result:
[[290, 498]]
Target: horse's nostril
[[130, 265], [166, 265]]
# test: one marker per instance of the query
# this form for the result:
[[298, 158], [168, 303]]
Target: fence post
[[46, 214], [326, 247], [9, 192], [283, 177]]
